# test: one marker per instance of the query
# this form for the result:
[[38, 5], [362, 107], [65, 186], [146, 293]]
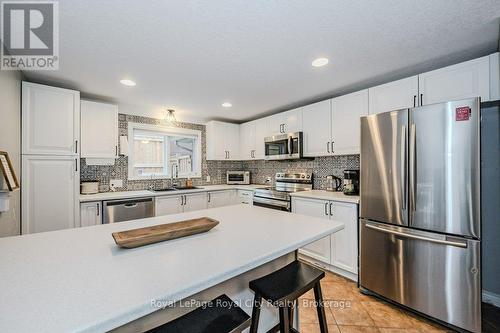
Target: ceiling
[[195, 55]]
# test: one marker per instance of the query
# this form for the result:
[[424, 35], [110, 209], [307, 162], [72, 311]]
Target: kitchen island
[[78, 280]]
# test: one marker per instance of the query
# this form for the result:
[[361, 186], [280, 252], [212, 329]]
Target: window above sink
[[158, 151]]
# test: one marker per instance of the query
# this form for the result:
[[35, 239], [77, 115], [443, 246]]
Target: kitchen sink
[[169, 189], [187, 188], [163, 189]]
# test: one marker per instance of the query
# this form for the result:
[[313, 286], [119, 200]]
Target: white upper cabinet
[[317, 122], [285, 122], [50, 193], [394, 95], [50, 120], [247, 140], [99, 130], [275, 124], [346, 113], [465, 80], [292, 121], [223, 141], [261, 131]]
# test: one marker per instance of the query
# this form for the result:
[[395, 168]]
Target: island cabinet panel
[[220, 198], [344, 244], [317, 124], [99, 130], [195, 201], [90, 213], [167, 205], [50, 120], [394, 95], [464, 80], [320, 249], [338, 252]]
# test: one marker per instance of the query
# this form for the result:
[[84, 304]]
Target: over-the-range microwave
[[284, 146], [238, 178]]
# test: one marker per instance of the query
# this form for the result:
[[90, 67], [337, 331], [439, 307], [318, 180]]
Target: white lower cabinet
[[244, 197], [173, 204], [50, 193], [195, 201], [220, 198], [90, 213], [338, 252], [320, 249], [167, 205]]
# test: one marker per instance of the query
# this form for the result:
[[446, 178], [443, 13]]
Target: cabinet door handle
[[331, 208], [414, 100], [76, 146], [98, 209], [333, 142], [284, 128], [76, 164], [328, 147], [326, 208], [116, 150], [421, 99], [208, 196]]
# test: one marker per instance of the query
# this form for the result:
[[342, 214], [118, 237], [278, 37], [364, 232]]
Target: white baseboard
[[491, 298]]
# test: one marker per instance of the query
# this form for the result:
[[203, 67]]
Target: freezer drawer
[[435, 274]]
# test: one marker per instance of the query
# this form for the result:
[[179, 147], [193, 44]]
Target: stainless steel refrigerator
[[420, 220]]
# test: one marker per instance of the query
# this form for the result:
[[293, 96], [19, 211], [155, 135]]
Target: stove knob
[[302, 176], [308, 176]]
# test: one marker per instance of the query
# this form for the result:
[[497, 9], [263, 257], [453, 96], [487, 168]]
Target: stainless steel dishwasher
[[129, 209]]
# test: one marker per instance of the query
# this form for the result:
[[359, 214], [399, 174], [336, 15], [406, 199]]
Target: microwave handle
[[290, 145]]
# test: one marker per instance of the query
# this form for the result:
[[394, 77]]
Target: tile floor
[[350, 311]]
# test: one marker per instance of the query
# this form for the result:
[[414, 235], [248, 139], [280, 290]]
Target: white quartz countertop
[[326, 195], [78, 280], [145, 193]]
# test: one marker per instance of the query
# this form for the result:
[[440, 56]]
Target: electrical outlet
[[208, 179], [116, 183]]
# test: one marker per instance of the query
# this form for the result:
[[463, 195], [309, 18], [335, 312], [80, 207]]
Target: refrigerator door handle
[[404, 167], [413, 236], [413, 171]]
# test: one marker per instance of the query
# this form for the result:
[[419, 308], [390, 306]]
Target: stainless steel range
[[278, 197]]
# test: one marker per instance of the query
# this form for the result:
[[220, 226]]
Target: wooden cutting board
[[159, 233]]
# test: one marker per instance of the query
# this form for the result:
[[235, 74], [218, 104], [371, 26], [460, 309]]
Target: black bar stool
[[282, 288], [223, 316]]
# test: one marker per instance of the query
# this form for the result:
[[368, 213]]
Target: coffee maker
[[351, 182]]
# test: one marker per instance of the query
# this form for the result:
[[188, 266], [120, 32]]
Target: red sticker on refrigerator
[[462, 113]]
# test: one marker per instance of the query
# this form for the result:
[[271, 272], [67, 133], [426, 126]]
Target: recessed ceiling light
[[227, 105], [319, 62], [127, 82]]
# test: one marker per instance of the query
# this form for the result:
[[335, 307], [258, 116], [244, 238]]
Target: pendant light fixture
[[170, 117]]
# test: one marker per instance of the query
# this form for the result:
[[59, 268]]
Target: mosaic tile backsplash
[[260, 170]]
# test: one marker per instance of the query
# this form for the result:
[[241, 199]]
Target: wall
[[490, 193], [10, 141], [260, 170]]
